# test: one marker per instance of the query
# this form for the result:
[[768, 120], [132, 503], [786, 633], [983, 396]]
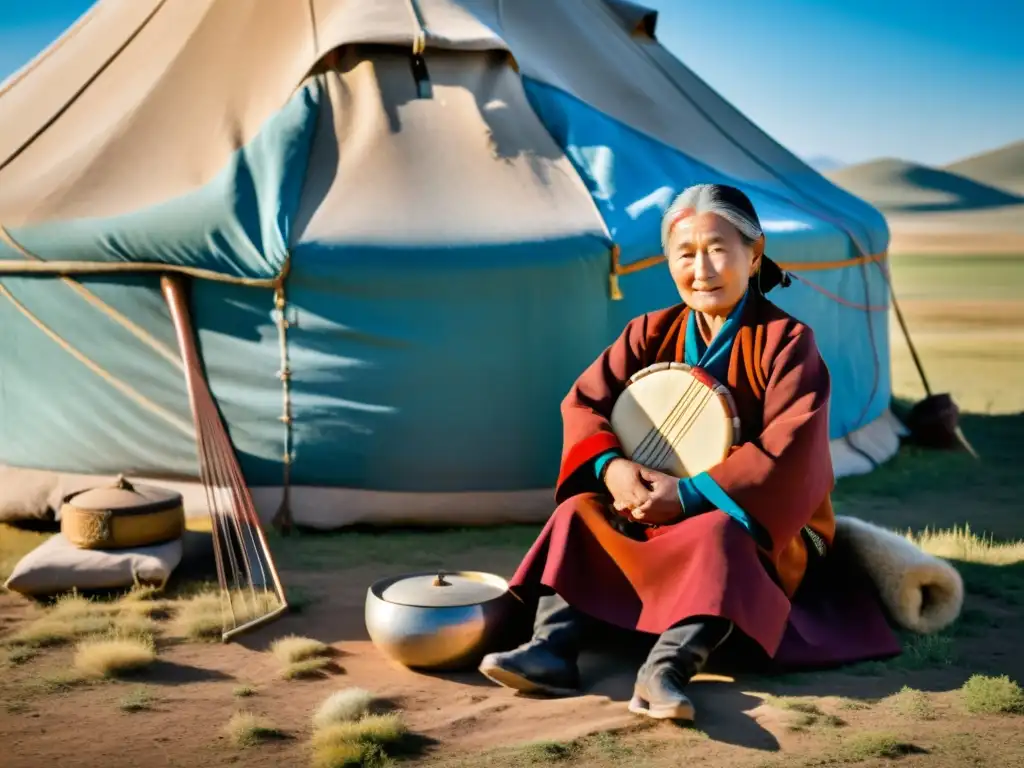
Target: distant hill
[[897, 186], [1002, 167], [824, 163]]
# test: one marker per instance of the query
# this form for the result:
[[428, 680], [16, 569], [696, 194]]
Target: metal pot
[[441, 621]]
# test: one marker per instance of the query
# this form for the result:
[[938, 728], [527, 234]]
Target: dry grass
[[912, 703], [138, 700], [853, 705], [343, 707], [15, 657], [74, 617], [992, 696], [385, 730], [69, 619], [963, 545], [145, 602], [306, 669], [293, 648], [200, 617], [348, 754], [243, 692], [370, 736], [302, 657], [114, 656], [204, 616], [248, 730], [804, 714], [142, 593], [61, 681], [364, 742], [874, 746]]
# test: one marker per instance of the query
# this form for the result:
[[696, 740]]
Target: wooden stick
[[199, 390], [258, 622]]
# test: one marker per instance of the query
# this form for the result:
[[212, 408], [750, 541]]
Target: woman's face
[[710, 263]]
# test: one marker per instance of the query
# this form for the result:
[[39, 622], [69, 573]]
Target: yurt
[[406, 226]]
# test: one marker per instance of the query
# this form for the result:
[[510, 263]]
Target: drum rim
[[705, 378], [719, 390]]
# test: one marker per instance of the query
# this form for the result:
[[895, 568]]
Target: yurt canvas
[[406, 225]]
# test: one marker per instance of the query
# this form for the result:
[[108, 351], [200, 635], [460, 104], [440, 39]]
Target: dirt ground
[[464, 720]]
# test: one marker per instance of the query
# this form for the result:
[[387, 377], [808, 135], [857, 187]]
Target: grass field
[[966, 318], [944, 701], [959, 277]]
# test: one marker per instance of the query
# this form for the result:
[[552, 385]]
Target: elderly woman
[[720, 552]]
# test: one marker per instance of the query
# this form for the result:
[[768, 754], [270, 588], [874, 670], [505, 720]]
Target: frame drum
[[676, 419]]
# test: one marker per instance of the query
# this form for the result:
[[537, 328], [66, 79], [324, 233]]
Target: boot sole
[[680, 711], [507, 679]]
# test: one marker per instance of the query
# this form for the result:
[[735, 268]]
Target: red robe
[[780, 473]]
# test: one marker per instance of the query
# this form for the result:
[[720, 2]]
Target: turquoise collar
[[713, 358]]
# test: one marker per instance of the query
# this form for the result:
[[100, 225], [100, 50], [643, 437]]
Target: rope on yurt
[[283, 517], [93, 366], [870, 319], [22, 267], [839, 299], [420, 75], [251, 589], [53, 48], [82, 88], [130, 325], [618, 269], [314, 28], [36, 265]]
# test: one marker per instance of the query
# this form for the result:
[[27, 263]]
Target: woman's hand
[[622, 477], [662, 505]]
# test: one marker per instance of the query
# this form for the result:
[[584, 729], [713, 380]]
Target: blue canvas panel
[[440, 370], [57, 413], [633, 178]]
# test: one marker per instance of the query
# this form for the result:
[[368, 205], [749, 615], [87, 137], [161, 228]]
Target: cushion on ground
[[58, 566], [28, 495]]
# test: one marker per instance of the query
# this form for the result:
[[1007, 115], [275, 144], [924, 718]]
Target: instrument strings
[[250, 590], [670, 433], [657, 444], [654, 434], [691, 414]]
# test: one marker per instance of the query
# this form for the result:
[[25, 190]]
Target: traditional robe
[[740, 551]]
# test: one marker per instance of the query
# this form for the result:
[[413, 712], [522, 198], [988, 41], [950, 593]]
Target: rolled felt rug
[[921, 592]]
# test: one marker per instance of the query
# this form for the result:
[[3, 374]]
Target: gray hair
[[711, 198]]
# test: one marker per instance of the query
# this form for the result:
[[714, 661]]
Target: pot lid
[[443, 589], [123, 495]]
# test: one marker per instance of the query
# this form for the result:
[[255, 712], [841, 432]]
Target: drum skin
[[676, 419]]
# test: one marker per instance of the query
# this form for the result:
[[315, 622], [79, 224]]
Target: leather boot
[[547, 663], [679, 654]]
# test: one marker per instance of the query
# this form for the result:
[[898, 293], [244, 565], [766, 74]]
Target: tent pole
[[906, 332], [957, 431]]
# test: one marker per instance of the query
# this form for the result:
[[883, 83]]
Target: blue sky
[[923, 80]]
